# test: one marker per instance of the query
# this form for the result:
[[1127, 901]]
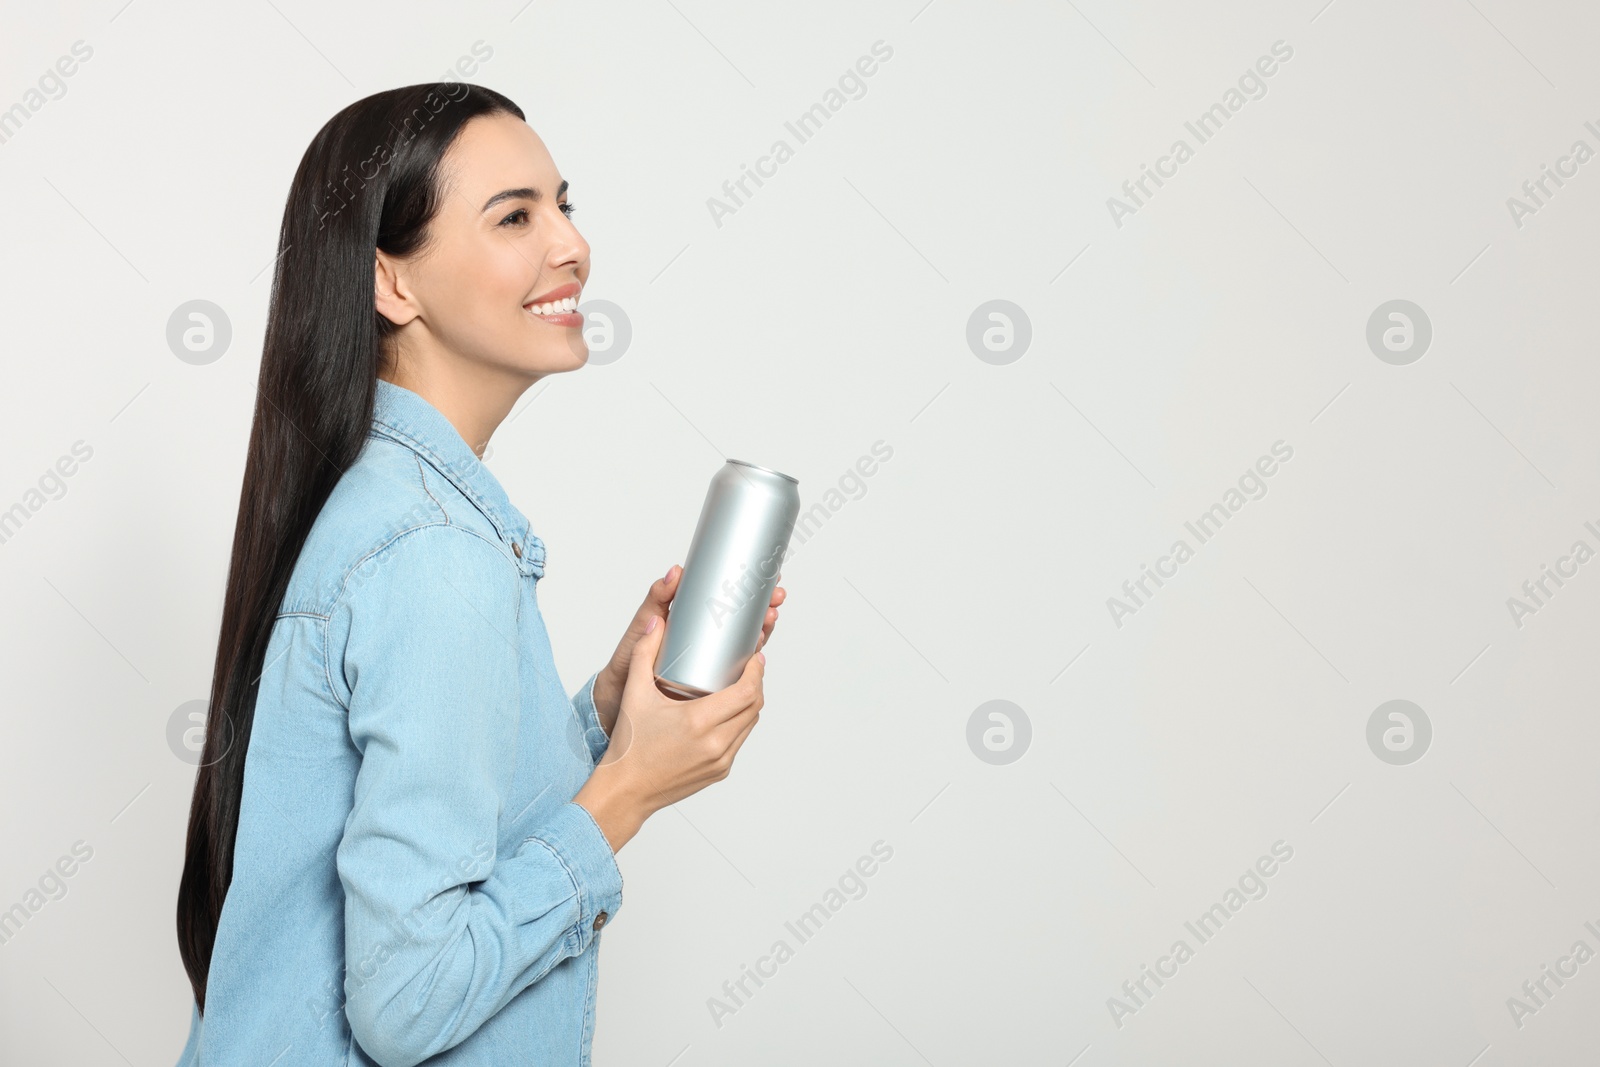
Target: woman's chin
[[576, 348]]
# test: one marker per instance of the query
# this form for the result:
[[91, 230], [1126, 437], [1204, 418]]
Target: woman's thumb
[[645, 650]]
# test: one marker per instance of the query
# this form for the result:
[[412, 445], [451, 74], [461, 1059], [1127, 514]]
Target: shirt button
[[599, 920], [517, 549]]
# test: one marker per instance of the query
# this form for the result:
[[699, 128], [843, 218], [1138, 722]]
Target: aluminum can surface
[[728, 577]]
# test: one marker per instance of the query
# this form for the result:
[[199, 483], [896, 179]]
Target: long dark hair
[[369, 180]]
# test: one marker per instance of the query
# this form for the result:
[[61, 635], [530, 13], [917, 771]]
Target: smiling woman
[[403, 832], [481, 291]]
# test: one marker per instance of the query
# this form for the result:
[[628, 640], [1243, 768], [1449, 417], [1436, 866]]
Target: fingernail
[[762, 656], [668, 577], [650, 627]]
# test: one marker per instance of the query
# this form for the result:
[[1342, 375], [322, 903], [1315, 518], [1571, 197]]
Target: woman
[[416, 858]]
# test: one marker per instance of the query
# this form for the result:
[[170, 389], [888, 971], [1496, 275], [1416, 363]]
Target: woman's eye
[[522, 213]]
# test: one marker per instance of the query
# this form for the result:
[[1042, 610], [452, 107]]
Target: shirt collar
[[404, 416]]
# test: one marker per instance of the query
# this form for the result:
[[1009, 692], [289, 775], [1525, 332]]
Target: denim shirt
[[412, 882]]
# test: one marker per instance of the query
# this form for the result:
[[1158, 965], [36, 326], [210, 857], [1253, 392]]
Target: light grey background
[[827, 313]]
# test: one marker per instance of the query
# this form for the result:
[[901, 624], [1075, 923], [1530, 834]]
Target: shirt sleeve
[[441, 930], [594, 735]]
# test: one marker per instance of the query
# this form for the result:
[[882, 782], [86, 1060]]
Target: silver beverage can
[[728, 577]]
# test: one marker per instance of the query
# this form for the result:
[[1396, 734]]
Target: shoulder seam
[[493, 546], [344, 582], [327, 673]]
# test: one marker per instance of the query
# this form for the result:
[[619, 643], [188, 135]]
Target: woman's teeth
[[555, 307]]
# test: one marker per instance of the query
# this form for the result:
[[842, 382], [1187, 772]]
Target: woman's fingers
[[729, 701], [661, 589], [767, 626], [737, 741], [642, 658], [771, 620]]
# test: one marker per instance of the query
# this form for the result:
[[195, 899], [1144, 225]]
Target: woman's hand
[[663, 748], [609, 685]]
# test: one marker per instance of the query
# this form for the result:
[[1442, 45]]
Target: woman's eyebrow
[[524, 193]]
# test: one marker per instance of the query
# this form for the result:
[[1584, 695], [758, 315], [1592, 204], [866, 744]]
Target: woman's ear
[[391, 295]]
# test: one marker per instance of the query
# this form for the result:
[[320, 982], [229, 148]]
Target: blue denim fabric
[[412, 882]]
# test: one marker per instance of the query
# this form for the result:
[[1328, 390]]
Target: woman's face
[[501, 243]]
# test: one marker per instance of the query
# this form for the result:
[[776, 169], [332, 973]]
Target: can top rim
[[769, 470]]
